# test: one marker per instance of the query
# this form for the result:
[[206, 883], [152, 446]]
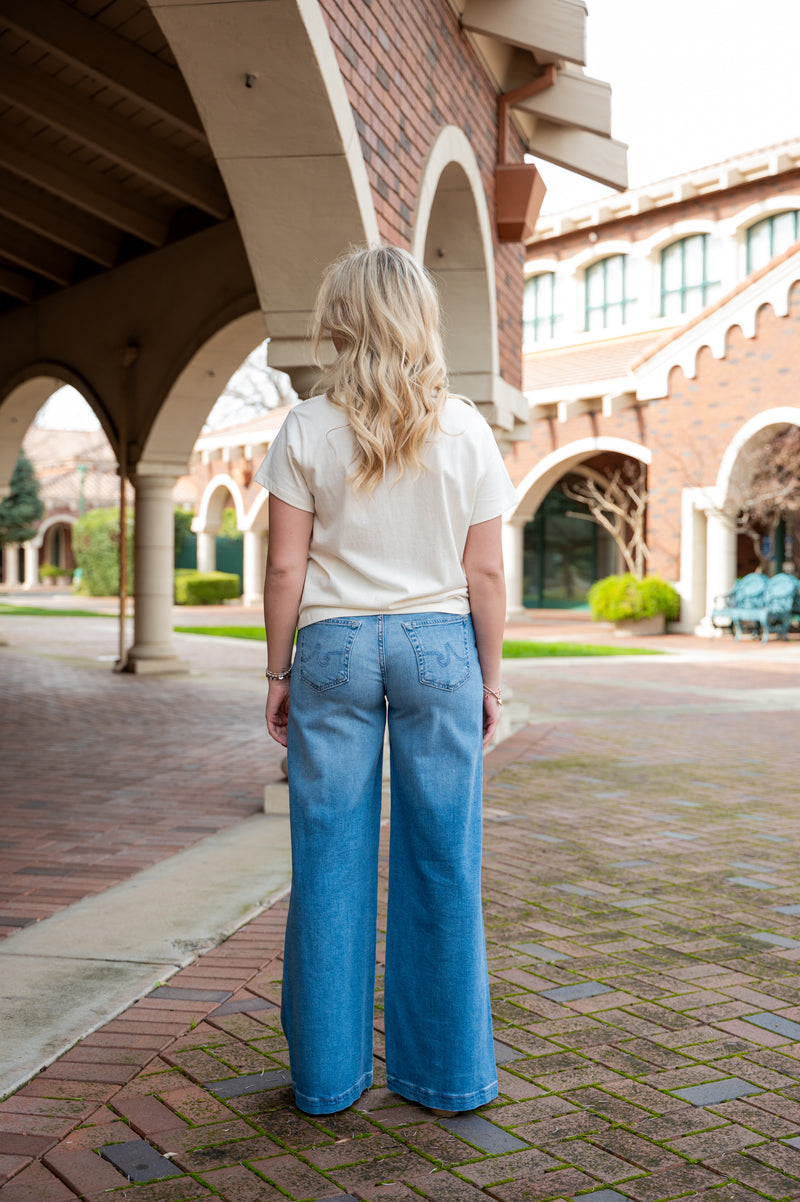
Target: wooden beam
[[82, 187], [35, 253], [38, 211], [598, 158], [551, 29], [15, 284], [575, 100], [106, 56], [195, 182]]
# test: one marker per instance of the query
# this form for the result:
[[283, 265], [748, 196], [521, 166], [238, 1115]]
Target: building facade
[[661, 329]]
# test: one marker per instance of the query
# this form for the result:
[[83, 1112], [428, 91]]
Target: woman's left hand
[[277, 711]]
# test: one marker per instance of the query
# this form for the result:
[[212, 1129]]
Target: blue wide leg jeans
[[422, 671]]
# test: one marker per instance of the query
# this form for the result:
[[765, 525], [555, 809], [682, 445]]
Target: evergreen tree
[[22, 508]]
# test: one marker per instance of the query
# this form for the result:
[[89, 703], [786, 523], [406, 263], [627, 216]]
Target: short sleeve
[[281, 472], [494, 492]]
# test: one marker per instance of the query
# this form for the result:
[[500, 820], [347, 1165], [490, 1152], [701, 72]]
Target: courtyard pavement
[[641, 888]]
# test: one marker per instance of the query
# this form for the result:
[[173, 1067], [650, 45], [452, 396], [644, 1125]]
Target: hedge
[[95, 544], [617, 598], [205, 588]]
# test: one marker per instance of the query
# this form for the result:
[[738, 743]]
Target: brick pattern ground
[[640, 851], [103, 776]]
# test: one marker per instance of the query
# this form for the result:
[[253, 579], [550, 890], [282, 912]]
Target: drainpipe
[[129, 356]]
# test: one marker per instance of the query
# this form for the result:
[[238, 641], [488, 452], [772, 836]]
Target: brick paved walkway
[[640, 881]]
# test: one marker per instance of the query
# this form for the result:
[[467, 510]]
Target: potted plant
[[634, 606]]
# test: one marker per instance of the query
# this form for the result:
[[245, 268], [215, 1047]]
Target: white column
[[513, 530], [720, 564], [31, 564], [255, 563], [206, 550], [11, 573], [154, 564]]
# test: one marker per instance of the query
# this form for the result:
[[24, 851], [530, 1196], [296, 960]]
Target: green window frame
[[539, 317], [771, 236], [686, 283], [606, 292]]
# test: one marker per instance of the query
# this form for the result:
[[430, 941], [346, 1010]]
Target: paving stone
[[37, 1184], [235, 1087], [190, 995], [139, 1161], [630, 863], [774, 1022], [716, 1091], [483, 1134], [84, 1170], [504, 1054], [793, 909], [247, 1005], [578, 890], [540, 951], [778, 940], [603, 1195], [749, 882], [569, 993]]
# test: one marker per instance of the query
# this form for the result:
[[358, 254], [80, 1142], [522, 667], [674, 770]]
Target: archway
[[552, 552]]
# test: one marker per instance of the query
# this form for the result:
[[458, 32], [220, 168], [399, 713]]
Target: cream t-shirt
[[399, 550]]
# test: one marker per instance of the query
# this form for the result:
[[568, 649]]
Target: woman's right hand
[[491, 716]]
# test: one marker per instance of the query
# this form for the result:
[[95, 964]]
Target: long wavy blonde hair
[[382, 311]]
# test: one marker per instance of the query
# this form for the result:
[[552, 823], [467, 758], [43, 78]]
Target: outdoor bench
[[764, 602]]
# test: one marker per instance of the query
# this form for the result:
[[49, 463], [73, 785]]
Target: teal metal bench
[[765, 603]]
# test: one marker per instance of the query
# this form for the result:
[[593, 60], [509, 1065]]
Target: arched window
[[771, 236], [689, 280], [608, 298], [540, 319]]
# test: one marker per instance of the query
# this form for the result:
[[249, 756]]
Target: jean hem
[[439, 1100], [313, 1105]]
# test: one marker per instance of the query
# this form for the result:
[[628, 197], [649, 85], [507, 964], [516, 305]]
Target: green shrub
[[229, 526], [205, 588], [95, 543], [183, 523], [49, 571], [619, 597]]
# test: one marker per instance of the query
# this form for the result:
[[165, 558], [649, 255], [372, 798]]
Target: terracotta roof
[[741, 287], [268, 422], [57, 448], [606, 360]]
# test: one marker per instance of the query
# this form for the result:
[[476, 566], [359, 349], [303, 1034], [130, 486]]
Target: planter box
[[630, 627]]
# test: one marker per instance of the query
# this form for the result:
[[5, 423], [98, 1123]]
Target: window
[[769, 237], [607, 293], [539, 318], [687, 276]]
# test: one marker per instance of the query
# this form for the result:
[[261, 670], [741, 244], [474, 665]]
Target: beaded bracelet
[[284, 675]]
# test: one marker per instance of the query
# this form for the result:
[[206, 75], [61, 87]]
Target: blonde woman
[[386, 495]]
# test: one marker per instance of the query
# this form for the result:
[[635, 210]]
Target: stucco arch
[[212, 504], [22, 399], [277, 117], [738, 225], [188, 402], [453, 238], [55, 519], [257, 517], [651, 247], [598, 252], [533, 489], [758, 429]]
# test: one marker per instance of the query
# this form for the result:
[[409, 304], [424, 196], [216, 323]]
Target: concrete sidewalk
[[641, 890]]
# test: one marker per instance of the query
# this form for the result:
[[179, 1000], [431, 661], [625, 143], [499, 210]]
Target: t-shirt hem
[[319, 613], [284, 494]]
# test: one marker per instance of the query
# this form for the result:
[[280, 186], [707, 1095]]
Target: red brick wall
[[714, 207], [409, 71], [689, 431]]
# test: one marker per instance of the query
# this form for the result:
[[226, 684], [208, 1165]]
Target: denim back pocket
[[323, 652], [442, 650]]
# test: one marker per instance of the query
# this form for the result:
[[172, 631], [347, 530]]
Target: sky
[[693, 82]]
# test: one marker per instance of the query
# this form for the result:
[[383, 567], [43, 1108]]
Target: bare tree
[[767, 491], [252, 391], [618, 503]]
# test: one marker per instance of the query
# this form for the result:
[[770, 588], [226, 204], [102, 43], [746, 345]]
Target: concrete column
[[255, 563], [11, 565], [31, 564], [206, 550], [154, 562], [513, 530], [720, 565]]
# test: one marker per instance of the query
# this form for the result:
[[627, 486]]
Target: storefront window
[[564, 554]]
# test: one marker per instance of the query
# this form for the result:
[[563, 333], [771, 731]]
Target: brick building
[[660, 327], [176, 176]]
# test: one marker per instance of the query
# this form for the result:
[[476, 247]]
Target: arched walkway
[[453, 238], [538, 485]]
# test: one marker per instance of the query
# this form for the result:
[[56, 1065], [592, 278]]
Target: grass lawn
[[511, 650], [39, 611]]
